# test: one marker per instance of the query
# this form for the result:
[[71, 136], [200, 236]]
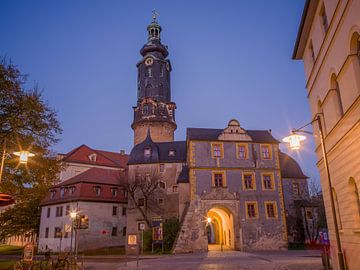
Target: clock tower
[[154, 112]]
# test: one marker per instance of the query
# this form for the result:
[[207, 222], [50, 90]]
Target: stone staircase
[[191, 237]]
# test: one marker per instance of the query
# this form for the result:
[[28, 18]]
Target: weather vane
[[155, 15]]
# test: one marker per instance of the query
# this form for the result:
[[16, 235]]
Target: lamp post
[[73, 215], [295, 140]]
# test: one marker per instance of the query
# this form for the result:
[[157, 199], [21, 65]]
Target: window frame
[[224, 183], [221, 146], [262, 153], [271, 174], [256, 209], [114, 210], [253, 180], [114, 232], [297, 185], [274, 204], [246, 147]]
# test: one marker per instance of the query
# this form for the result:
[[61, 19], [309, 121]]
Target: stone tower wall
[[160, 132]]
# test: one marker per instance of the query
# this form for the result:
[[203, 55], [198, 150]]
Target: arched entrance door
[[220, 229]]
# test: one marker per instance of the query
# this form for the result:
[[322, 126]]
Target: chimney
[[122, 152]]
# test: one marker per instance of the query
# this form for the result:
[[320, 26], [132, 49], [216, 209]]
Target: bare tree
[[144, 192]]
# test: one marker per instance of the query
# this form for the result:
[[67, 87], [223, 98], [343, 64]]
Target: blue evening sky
[[231, 59]]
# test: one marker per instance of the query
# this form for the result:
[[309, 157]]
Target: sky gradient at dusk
[[230, 59]]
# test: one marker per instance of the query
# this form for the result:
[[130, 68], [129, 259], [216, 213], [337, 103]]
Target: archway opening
[[220, 229]]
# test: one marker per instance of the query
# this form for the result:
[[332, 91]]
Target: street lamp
[[208, 220], [73, 215], [295, 141]]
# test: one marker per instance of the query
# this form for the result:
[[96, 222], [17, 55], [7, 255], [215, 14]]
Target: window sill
[[357, 230]]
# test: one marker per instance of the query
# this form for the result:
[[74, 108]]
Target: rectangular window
[[124, 231], [123, 211], [71, 190], [218, 180], [268, 181], [296, 189], [59, 211], [217, 150], [265, 152], [175, 188], [46, 232], [114, 231], [67, 210], [270, 208], [62, 192], [114, 210], [52, 194], [242, 151], [251, 209], [57, 232], [141, 202], [48, 212], [249, 182]]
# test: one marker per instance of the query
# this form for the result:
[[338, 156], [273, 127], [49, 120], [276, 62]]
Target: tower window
[[324, 18], [147, 152], [149, 72], [312, 52], [172, 153]]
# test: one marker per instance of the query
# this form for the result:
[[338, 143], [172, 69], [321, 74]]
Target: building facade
[[223, 185], [94, 188], [328, 44]]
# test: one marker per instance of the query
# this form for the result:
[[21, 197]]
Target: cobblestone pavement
[[230, 260]]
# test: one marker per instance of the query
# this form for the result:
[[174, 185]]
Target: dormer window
[[97, 190], [62, 192], [71, 190], [114, 192], [147, 152], [52, 194], [92, 157], [172, 153]]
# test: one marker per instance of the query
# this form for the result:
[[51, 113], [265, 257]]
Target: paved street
[[284, 260]]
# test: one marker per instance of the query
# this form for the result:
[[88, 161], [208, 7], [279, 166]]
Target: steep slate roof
[[97, 176], [212, 134], [184, 175], [103, 158], [290, 168], [159, 152]]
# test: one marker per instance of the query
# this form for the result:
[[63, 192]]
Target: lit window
[[242, 151], [217, 150], [141, 202], [97, 190], [147, 152], [271, 211], [268, 181], [174, 188], [265, 152], [162, 185], [249, 181], [296, 189], [218, 180], [172, 153], [251, 209]]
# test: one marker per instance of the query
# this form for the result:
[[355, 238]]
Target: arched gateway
[[220, 229]]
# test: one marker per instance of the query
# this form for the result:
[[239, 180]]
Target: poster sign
[[132, 239], [82, 222], [28, 253], [324, 237], [67, 228], [157, 230]]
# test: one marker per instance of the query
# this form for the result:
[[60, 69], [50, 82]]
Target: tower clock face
[[149, 61]]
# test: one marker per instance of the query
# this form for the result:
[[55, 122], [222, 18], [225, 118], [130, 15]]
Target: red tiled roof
[[103, 158], [98, 176], [84, 187]]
